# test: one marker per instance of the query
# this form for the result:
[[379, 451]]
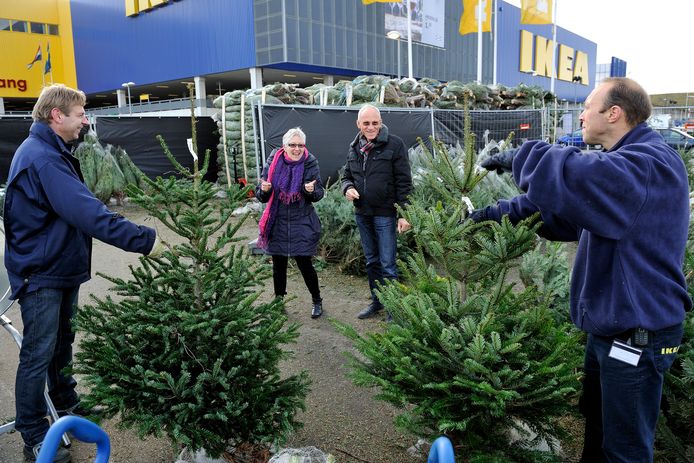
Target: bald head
[[369, 121]]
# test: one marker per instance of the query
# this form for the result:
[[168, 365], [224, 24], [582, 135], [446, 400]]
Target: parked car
[[575, 138], [677, 138]]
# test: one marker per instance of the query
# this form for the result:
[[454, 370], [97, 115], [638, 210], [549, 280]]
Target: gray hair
[[365, 107], [291, 133]]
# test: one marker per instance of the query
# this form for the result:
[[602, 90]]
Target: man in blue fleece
[[50, 219], [628, 208]]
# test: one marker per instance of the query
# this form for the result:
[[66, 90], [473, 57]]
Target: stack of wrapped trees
[[237, 149], [238, 134]]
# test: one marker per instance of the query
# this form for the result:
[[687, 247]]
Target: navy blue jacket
[[297, 228], [51, 217], [384, 180], [629, 210]]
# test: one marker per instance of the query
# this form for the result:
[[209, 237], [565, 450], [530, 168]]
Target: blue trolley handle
[[83, 430], [441, 451]]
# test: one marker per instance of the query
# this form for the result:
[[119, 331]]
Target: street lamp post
[[127, 85], [395, 35]]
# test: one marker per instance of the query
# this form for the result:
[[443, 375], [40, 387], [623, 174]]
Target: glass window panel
[[4, 24], [340, 19], [317, 39], [340, 42], [328, 46], [316, 11], [350, 14], [292, 37], [304, 41], [276, 22], [261, 26], [38, 28], [276, 39], [276, 56], [262, 42], [328, 12], [260, 9], [290, 5], [19, 26], [53, 29], [263, 57]]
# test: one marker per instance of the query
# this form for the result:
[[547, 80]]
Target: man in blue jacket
[[377, 178], [628, 208], [50, 219]]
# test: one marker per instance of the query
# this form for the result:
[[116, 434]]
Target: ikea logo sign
[[571, 65], [135, 7]]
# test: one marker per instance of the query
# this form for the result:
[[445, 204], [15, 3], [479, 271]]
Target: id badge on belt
[[625, 353]]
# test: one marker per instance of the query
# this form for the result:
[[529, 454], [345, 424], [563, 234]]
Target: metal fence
[[564, 119]]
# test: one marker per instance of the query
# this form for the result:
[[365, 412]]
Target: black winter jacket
[[297, 228], [384, 180]]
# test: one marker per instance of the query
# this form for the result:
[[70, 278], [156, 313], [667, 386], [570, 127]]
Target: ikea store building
[[148, 49]]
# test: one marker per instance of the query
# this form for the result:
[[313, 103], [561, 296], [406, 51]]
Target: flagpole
[[496, 36], [409, 39], [554, 45], [479, 41]]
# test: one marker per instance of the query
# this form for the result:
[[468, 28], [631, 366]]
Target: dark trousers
[[46, 351], [379, 240], [305, 264], [621, 402]]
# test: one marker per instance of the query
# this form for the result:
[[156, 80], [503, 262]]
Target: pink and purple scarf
[[286, 176]]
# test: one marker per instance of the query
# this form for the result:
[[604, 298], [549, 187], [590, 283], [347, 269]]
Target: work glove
[[478, 215], [158, 248], [501, 162]]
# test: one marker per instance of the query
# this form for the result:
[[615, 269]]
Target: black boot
[[317, 309], [370, 311]]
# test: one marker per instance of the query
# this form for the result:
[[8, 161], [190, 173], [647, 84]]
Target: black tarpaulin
[[138, 137], [329, 131], [13, 131]]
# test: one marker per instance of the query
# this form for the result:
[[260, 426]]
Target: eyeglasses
[[295, 145]]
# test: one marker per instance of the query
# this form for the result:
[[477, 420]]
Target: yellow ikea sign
[[135, 7], [572, 65]]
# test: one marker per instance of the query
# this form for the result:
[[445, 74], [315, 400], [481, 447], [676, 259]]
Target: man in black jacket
[[376, 178]]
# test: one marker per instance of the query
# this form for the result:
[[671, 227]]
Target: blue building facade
[[177, 40]]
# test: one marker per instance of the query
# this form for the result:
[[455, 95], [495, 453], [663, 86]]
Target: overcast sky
[[654, 37]]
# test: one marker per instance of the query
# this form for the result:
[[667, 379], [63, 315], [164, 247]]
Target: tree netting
[[107, 170]]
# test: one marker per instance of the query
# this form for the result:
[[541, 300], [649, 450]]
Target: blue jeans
[[380, 243], [621, 402], [46, 351]]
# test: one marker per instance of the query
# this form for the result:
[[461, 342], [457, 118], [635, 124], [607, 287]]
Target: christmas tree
[[188, 351], [470, 353]]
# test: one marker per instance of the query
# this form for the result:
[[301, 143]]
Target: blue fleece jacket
[[51, 217], [628, 207]]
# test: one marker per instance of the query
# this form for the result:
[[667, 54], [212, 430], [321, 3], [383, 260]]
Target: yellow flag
[[369, 2], [536, 12], [468, 20]]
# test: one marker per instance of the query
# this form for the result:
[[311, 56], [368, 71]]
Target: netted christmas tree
[[471, 353], [187, 350]]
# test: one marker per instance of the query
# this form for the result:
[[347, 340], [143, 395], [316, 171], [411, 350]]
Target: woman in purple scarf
[[289, 227]]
